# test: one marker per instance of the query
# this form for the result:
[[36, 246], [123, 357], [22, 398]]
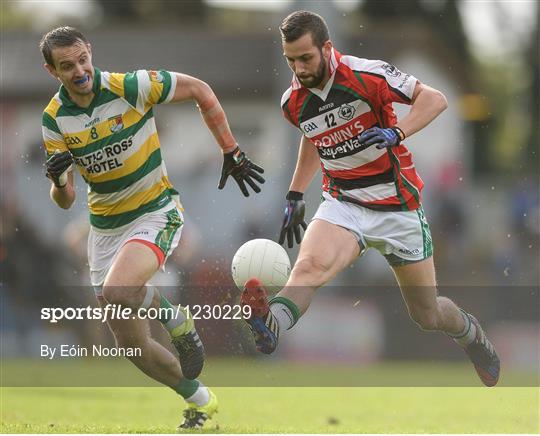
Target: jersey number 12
[[330, 120]]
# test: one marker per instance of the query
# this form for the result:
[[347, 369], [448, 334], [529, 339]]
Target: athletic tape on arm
[[214, 117]]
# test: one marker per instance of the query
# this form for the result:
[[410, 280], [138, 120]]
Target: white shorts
[[160, 230], [402, 237]]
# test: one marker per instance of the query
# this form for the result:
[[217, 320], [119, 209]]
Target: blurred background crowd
[[479, 160]]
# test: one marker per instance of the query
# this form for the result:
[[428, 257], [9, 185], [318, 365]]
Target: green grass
[[275, 410], [263, 372], [270, 409]]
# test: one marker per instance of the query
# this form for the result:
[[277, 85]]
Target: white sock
[[170, 315], [200, 397], [468, 334], [283, 316], [148, 297]]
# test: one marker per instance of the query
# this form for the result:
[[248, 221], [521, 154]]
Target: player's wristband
[[294, 195], [399, 132]]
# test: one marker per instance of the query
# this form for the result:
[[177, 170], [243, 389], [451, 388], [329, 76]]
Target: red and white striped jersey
[[358, 96]]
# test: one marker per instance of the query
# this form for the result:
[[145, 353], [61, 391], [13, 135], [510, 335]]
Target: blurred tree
[[392, 8], [12, 18], [449, 25], [191, 12], [532, 156], [118, 11], [442, 16], [506, 136]]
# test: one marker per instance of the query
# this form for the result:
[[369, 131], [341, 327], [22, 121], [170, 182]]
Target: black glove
[[57, 167], [237, 165], [295, 208]]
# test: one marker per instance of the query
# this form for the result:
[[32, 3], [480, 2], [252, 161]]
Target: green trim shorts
[[402, 237], [160, 230]]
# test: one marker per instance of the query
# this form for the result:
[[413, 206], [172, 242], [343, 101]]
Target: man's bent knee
[[311, 270], [128, 296]]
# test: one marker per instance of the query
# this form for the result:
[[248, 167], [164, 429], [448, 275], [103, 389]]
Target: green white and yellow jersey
[[115, 143]]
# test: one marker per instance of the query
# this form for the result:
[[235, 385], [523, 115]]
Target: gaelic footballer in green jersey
[[104, 124], [114, 143]]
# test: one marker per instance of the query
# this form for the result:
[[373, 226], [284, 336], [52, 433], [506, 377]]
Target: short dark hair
[[299, 23], [64, 36]]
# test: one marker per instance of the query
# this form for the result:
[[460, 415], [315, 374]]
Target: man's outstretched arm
[[235, 162], [427, 104], [191, 88], [306, 166]]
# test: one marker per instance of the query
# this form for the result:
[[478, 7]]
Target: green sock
[[285, 311], [186, 388], [193, 391]]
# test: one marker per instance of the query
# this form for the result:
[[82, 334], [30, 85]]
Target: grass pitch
[[277, 409]]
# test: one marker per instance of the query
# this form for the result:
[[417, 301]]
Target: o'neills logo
[[409, 252]]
